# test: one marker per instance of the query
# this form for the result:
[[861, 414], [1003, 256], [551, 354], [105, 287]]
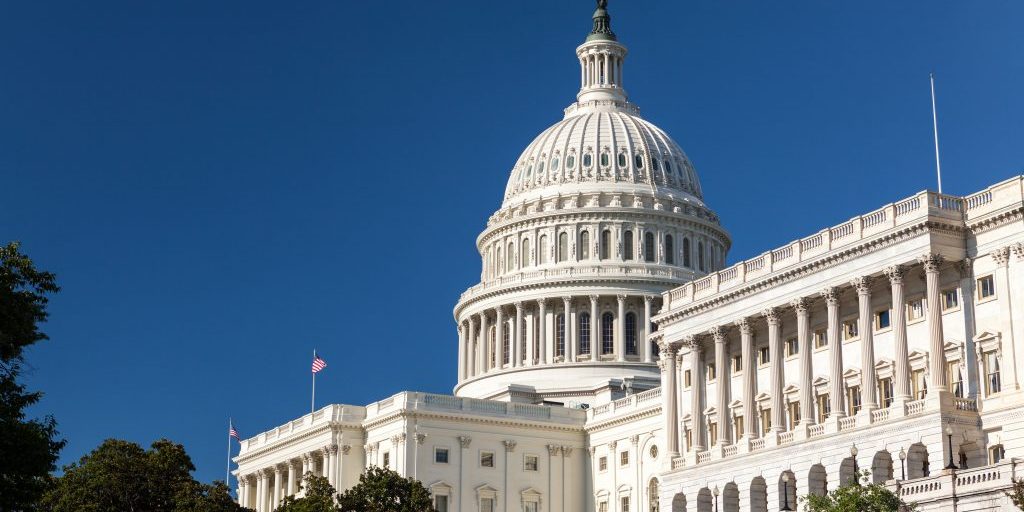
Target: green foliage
[[319, 496], [383, 490], [120, 475], [28, 448], [1016, 494], [853, 497]]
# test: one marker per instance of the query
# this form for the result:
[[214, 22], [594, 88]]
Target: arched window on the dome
[[668, 167], [588, 159], [606, 244], [700, 256], [585, 245], [648, 246], [604, 159], [540, 168], [563, 247], [560, 335], [524, 253], [670, 250], [627, 245], [510, 259], [554, 165], [686, 253], [570, 161], [529, 173], [654, 165], [543, 249], [498, 262], [505, 345], [639, 161], [584, 333], [490, 345], [607, 333], [630, 334], [622, 159]]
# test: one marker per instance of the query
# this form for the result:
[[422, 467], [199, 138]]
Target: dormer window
[[622, 159], [587, 160], [639, 162], [570, 161], [604, 159]]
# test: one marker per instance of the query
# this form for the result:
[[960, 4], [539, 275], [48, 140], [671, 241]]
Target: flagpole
[[935, 129], [227, 473], [312, 401]]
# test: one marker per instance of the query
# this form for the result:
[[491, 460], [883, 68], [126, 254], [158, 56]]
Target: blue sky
[[222, 187]]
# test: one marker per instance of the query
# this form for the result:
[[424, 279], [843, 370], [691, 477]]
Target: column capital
[[621, 297], [612, 445], [519, 306], [510, 445], [718, 333], [931, 261], [771, 315], [367, 447], [965, 267], [333, 449], [690, 341], [635, 439], [464, 441], [279, 468], [566, 451], [648, 298], [345, 448], [1018, 250], [895, 273], [594, 298], [802, 305], [260, 473], [592, 450], [666, 348], [743, 324], [1001, 256], [831, 296], [542, 303], [554, 449], [862, 284], [420, 438], [567, 299]]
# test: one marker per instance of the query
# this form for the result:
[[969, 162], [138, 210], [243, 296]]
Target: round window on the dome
[[604, 159], [639, 162], [570, 161], [622, 159], [587, 160]]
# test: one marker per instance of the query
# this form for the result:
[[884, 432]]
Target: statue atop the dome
[[602, 4], [602, 24]]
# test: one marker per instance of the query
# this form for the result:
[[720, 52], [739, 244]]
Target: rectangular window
[[602, 464], [850, 329], [950, 299], [824, 407], [711, 372], [794, 414], [737, 422], [441, 455], [991, 366], [986, 287], [820, 338], [766, 420], [387, 459], [737, 364], [487, 505], [792, 347], [602, 507], [885, 391], [882, 320], [529, 506], [441, 503], [625, 504], [686, 379], [713, 432], [530, 463], [915, 309], [853, 399], [487, 459], [689, 439], [953, 379], [624, 458], [763, 356], [918, 384]]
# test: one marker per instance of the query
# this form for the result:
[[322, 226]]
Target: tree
[[28, 447], [858, 497], [1017, 493], [383, 490], [121, 475], [319, 496]]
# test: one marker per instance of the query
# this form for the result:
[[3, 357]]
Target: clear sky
[[222, 187]]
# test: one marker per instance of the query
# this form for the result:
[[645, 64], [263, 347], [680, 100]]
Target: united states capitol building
[[610, 360]]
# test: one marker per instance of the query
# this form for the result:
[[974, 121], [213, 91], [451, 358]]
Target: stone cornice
[[638, 414], [293, 439]]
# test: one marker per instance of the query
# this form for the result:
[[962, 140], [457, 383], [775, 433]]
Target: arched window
[[622, 159], [554, 164], [606, 244], [587, 160], [563, 246], [670, 250], [686, 253], [560, 335], [570, 161], [585, 245], [505, 346], [543, 249], [607, 333], [604, 159], [648, 246], [700, 256], [652, 495], [668, 167], [630, 334], [639, 162], [584, 333], [510, 259], [627, 245], [499, 263], [524, 253]]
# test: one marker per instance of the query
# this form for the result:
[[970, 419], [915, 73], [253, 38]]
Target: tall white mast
[[935, 130]]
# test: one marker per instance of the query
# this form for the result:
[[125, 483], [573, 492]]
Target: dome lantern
[[601, 58]]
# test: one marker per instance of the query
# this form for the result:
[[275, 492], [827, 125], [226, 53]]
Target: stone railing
[[965, 404], [995, 479], [584, 270], [316, 419], [921, 206], [416, 401], [649, 398]]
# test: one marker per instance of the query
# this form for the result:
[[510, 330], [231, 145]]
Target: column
[[542, 307], [243, 491], [777, 376], [261, 490], [499, 338], [1004, 294], [868, 383], [531, 338], [803, 334], [462, 352], [669, 389], [835, 352], [696, 393], [749, 377], [620, 331], [722, 384], [566, 308], [517, 334], [901, 383], [472, 356], [572, 333], [646, 351], [332, 466], [595, 331], [607, 70], [292, 481], [936, 345], [278, 477], [482, 346]]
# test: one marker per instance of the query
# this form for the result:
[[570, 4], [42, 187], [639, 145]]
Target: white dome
[[610, 150]]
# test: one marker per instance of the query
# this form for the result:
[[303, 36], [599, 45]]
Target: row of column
[[600, 69], [801, 307], [264, 489], [476, 345]]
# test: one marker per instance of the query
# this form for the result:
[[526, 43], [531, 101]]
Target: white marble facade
[[610, 361]]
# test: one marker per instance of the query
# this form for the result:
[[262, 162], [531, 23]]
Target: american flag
[[233, 433], [318, 364]]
